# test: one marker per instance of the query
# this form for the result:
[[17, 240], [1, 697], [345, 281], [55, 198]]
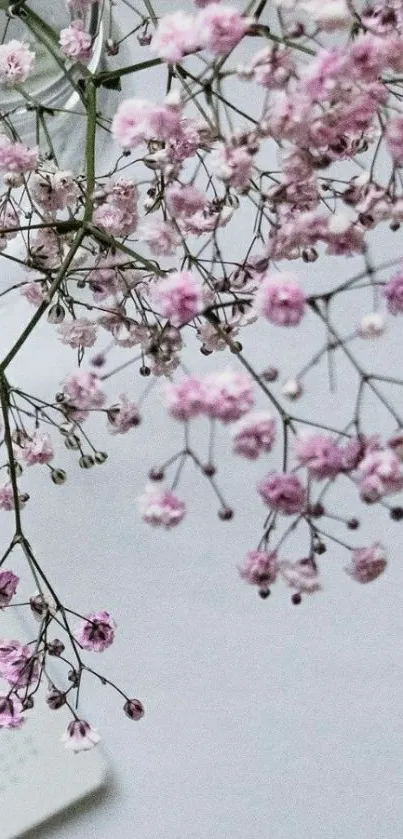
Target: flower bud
[[86, 461], [72, 442], [58, 476], [55, 698], [225, 514], [56, 314], [134, 709], [292, 389], [100, 457], [55, 647]]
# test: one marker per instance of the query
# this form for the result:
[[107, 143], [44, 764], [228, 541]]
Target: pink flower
[[396, 444], [184, 200], [233, 165], [82, 393], [280, 299], [220, 28], [301, 575], [16, 62], [97, 632], [34, 293], [228, 395], [8, 587], [393, 292], [379, 474], [320, 454], [6, 497], [254, 434], [161, 507], [15, 157], [356, 449], [180, 296], [78, 333], [54, 189], [161, 236], [38, 449], [283, 492], [123, 416], [75, 43], [80, 736], [272, 66], [186, 399], [260, 568], [175, 37], [394, 137], [129, 125], [11, 715], [367, 563], [17, 665]]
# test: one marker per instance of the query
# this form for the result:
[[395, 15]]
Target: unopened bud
[[56, 314], [86, 461], [55, 647], [225, 514], [134, 709], [100, 457], [58, 476], [55, 698]]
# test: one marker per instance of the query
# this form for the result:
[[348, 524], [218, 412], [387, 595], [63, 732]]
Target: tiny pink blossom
[[186, 399], [78, 333], [233, 165], [254, 434], [123, 416], [184, 200], [180, 296], [220, 28], [283, 492], [34, 293], [6, 497], [15, 157], [228, 395], [367, 563], [174, 37], [8, 587], [82, 392], [80, 736], [301, 575], [96, 632], [320, 454], [260, 568], [129, 125], [396, 444], [394, 137], [17, 665], [393, 292], [161, 507], [75, 42], [161, 236], [280, 299], [54, 189], [37, 449], [11, 715], [16, 62], [379, 474]]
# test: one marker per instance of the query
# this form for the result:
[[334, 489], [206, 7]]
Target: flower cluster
[[279, 139]]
